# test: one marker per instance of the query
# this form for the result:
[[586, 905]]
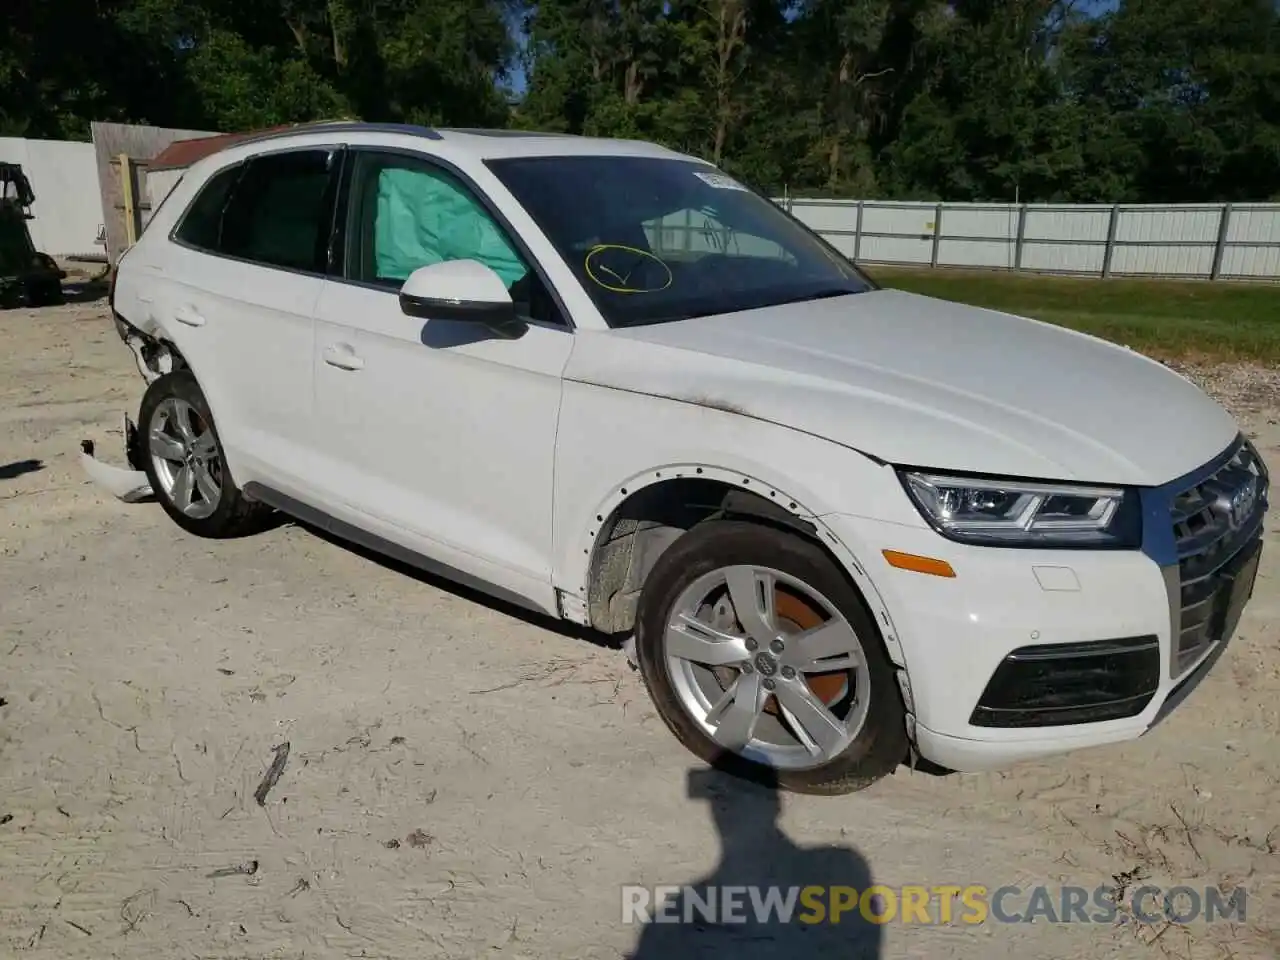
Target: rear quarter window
[[201, 226]]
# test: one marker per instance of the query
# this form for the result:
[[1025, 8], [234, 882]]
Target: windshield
[[655, 240]]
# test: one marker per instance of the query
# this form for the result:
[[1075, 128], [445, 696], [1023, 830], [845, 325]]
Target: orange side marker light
[[918, 564]]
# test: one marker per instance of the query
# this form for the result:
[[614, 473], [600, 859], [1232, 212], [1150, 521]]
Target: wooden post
[[130, 202]]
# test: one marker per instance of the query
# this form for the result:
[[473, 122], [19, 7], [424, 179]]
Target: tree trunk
[[833, 161], [731, 29], [632, 84], [838, 135], [299, 34], [336, 25]]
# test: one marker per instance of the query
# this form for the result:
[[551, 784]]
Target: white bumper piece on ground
[[128, 484]]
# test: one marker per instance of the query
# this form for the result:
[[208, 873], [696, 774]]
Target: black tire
[[879, 747], [233, 515], [44, 293]]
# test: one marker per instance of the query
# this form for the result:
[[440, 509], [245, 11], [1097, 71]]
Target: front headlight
[[1014, 513]]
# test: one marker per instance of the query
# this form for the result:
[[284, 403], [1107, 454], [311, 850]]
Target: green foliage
[[1170, 319], [1154, 100]]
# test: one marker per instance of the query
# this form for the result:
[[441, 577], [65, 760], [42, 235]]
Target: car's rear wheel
[[761, 657], [185, 463]]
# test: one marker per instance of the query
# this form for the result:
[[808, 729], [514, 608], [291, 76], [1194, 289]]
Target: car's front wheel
[[185, 462], [762, 659]]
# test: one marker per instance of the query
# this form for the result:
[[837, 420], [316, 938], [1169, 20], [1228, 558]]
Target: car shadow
[[756, 855], [562, 627], [89, 291], [10, 471], [614, 642], [444, 334]]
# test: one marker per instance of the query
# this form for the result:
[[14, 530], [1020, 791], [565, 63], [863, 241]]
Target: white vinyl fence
[[1213, 241], [64, 178]]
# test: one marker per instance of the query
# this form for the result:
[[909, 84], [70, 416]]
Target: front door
[[440, 429]]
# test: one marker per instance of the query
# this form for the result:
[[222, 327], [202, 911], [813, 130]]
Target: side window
[[202, 223], [407, 214], [279, 213]]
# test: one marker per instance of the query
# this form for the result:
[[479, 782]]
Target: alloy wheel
[[186, 458], [767, 667]]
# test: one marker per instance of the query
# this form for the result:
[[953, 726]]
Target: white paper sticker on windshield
[[719, 181]]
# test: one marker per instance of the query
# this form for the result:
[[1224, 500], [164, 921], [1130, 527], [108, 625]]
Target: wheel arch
[[156, 353], [644, 515]]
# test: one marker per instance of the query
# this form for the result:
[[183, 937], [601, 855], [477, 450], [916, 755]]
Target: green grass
[[1169, 319]]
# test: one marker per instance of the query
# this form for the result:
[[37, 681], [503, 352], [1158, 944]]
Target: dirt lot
[[464, 781]]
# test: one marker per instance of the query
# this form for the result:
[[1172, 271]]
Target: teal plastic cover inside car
[[424, 219]]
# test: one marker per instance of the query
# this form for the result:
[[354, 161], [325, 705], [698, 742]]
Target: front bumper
[[1031, 653], [130, 485]]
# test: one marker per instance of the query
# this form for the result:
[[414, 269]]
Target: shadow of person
[[10, 471], [755, 854]]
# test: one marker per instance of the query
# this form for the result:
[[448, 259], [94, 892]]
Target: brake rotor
[[795, 615]]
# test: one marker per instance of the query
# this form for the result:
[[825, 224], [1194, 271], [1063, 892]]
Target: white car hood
[[924, 382]]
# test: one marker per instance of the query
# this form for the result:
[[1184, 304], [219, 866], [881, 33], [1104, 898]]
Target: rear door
[[238, 287]]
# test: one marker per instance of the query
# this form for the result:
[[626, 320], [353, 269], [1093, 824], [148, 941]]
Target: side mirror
[[465, 291]]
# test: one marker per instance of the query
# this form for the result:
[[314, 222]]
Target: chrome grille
[[1217, 523]]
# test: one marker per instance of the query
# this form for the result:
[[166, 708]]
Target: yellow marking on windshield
[[622, 285]]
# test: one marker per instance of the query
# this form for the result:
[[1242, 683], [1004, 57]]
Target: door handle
[[341, 355], [189, 316]]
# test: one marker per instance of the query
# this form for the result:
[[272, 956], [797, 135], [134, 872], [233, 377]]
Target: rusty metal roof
[[183, 153]]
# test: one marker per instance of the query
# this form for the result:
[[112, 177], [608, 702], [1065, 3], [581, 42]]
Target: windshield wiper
[[826, 294]]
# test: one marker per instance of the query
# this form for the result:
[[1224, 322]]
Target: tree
[[1170, 100], [1190, 91], [843, 39], [989, 121]]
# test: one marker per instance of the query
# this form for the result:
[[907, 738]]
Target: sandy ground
[[464, 781]]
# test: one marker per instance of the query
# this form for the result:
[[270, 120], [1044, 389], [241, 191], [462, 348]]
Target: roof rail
[[507, 132], [342, 126]]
